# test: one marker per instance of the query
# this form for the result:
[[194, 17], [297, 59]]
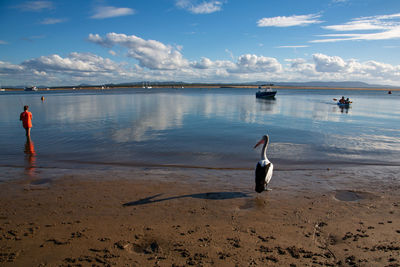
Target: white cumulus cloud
[[154, 60], [8, 68], [205, 63], [324, 63], [302, 67], [75, 64], [336, 68], [150, 53], [256, 64], [295, 20], [199, 7]]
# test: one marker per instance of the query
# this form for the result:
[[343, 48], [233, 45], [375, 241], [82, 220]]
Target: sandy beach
[[192, 217]]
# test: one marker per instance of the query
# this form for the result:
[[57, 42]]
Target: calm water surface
[[199, 127]]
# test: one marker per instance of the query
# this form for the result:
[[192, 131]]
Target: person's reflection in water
[[344, 109], [30, 158]]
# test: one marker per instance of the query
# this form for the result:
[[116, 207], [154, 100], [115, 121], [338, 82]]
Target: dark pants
[[28, 131]]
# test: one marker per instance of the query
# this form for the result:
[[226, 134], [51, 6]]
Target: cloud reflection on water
[[215, 126]]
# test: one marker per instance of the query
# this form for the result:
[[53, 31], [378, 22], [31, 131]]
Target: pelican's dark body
[[261, 173]]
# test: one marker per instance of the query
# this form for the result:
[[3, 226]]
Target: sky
[[72, 42]]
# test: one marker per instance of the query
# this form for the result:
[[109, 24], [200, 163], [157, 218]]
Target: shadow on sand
[[210, 195]]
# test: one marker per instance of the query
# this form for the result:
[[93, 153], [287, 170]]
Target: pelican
[[264, 167]]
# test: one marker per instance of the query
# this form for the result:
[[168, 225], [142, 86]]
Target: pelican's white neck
[[264, 150]]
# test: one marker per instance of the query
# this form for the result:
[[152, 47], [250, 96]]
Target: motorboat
[[31, 88], [266, 93]]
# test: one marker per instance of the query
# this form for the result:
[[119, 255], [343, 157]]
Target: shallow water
[[211, 128]]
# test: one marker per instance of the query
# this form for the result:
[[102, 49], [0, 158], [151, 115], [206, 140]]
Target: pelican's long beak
[[262, 141]]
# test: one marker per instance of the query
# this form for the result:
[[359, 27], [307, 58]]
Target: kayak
[[343, 104]]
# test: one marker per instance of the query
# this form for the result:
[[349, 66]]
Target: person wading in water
[[26, 118]]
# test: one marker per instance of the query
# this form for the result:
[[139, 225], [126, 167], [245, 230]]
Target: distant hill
[[345, 84]]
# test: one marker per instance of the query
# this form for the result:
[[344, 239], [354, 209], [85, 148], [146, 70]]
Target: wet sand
[[176, 217]]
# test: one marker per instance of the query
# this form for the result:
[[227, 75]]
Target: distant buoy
[[42, 98]]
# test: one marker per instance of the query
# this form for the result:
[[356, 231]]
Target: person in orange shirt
[[26, 118]]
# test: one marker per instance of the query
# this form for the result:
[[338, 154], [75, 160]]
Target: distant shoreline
[[210, 87]]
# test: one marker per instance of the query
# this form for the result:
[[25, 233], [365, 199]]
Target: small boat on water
[[342, 102], [146, 85], [31, 88], [266, 93]]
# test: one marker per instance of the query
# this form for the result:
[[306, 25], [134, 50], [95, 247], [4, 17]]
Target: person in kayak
[[26, 118], [342, 100]]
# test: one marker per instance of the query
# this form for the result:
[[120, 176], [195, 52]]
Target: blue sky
[[102, 41]]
